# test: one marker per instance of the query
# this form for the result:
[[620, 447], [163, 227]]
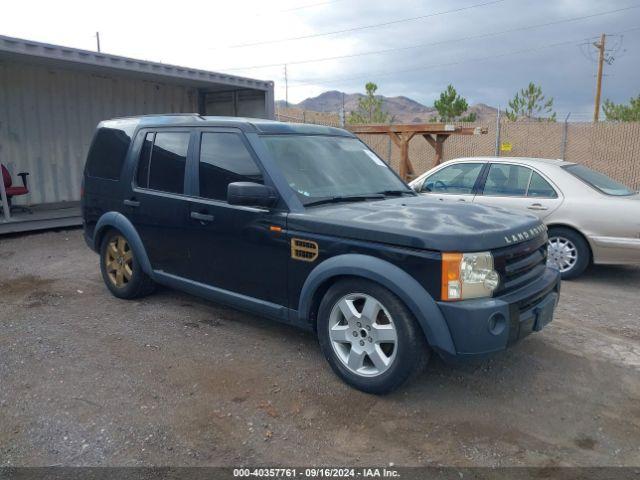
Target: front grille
[[520, 264]]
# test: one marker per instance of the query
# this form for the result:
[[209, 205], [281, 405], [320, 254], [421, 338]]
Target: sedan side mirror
[[251, 194]]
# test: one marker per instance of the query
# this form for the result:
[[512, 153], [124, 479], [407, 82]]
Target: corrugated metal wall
[[48, 116]]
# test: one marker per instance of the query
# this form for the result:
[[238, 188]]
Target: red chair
[[14, 191]]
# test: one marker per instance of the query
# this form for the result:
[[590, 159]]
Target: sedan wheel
[[363, 335], [563, 254], [568, 252]]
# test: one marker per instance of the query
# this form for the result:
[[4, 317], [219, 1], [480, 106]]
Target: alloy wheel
[[119, 261], [363, 335], [562, 254]]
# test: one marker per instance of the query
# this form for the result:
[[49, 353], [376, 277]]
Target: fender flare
[[414, 296], [121, 223]]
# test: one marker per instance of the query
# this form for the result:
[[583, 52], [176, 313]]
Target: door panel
[[240, 249], [517, 187], [157, 205]]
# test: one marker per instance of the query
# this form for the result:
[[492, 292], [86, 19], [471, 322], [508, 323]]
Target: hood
[[420, 222]]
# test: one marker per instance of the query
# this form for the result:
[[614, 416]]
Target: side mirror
[[251, 194]]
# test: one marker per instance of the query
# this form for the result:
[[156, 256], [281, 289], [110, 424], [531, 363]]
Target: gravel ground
[[87, 379]]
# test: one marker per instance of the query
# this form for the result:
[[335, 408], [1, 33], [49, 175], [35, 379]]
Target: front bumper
[[483, 326]]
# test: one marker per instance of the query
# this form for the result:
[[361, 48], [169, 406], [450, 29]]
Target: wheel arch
[[117, 221], [415, 297], [577, 232]]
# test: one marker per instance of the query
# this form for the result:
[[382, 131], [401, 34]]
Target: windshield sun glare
[[318, 167]]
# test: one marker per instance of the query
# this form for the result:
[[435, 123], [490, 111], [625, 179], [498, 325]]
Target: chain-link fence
[[609, 147]]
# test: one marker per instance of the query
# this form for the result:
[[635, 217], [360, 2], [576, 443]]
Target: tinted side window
[[224, 159], [507, 180], [108, 152], [539, 187], [168, 159], [458, 179], [142, 177]]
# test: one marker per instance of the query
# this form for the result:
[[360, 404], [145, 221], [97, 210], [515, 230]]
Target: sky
[[488, 49]]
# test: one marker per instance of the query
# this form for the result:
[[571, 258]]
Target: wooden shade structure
[[434, 133]]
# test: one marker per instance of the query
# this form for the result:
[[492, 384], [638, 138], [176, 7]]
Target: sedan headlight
[[468, 275]]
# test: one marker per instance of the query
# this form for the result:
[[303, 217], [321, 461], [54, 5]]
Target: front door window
[[456, 179]]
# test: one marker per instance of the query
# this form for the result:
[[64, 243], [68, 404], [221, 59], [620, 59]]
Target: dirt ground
[[87, 379]]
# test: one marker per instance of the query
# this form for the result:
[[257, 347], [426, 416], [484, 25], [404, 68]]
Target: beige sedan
[[591, 218]]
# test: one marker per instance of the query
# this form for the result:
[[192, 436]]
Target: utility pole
[[98, 40], [498, 132], [286, 87], [565, 131], [601, 48]]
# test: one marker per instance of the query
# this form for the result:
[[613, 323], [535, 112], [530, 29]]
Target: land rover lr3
[[306, 225]]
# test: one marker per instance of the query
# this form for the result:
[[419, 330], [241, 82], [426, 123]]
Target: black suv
[[305, 225]]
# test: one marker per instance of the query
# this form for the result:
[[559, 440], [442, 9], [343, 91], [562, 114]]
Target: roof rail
[[160, 115]]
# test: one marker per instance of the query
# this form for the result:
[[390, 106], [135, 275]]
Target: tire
[[383, 349], [120, 269], [569, 252]]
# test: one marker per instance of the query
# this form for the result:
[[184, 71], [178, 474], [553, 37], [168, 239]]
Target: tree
[[530, 103], [451, 106], [369, 108], [621, 112]]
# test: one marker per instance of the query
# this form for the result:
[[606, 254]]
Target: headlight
[[468, 275]]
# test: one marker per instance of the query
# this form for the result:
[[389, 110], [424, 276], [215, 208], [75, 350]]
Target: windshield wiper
[[344, 198], [396, 192]]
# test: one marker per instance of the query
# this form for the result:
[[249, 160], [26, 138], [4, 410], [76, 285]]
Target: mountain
[[405, 110]]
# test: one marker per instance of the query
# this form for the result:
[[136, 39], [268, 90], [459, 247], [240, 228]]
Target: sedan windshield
[[599, 181], [323, 168]]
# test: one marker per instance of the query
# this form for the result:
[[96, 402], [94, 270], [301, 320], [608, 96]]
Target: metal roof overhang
[[55, 55]]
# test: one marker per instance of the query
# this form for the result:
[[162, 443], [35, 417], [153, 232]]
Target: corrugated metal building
[[52, 97]]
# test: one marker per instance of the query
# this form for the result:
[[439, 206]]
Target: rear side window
[[108, 152], [507, 180], [162, 161], [539, 187], [224, 159]]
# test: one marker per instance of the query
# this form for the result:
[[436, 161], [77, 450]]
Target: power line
[[448, 64], [294, 9], [364, 27], [441, 42], [303, 7]]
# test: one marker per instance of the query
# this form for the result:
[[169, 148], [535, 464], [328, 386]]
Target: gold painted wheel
[[119, 261]]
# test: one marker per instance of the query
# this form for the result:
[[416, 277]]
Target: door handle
[[537, 206], [461, 200], [203, 217], [131, 203]]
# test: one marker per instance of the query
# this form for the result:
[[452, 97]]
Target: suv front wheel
[[369, 337], [120, 269]]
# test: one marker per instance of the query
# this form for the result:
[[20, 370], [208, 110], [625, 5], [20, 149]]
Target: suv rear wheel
[[121, 271], [369, 337]]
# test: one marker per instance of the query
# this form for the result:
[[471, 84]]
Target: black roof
[[254, 125]]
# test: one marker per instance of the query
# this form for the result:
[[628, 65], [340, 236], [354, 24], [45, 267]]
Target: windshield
[[599, 181], [320, 167]]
